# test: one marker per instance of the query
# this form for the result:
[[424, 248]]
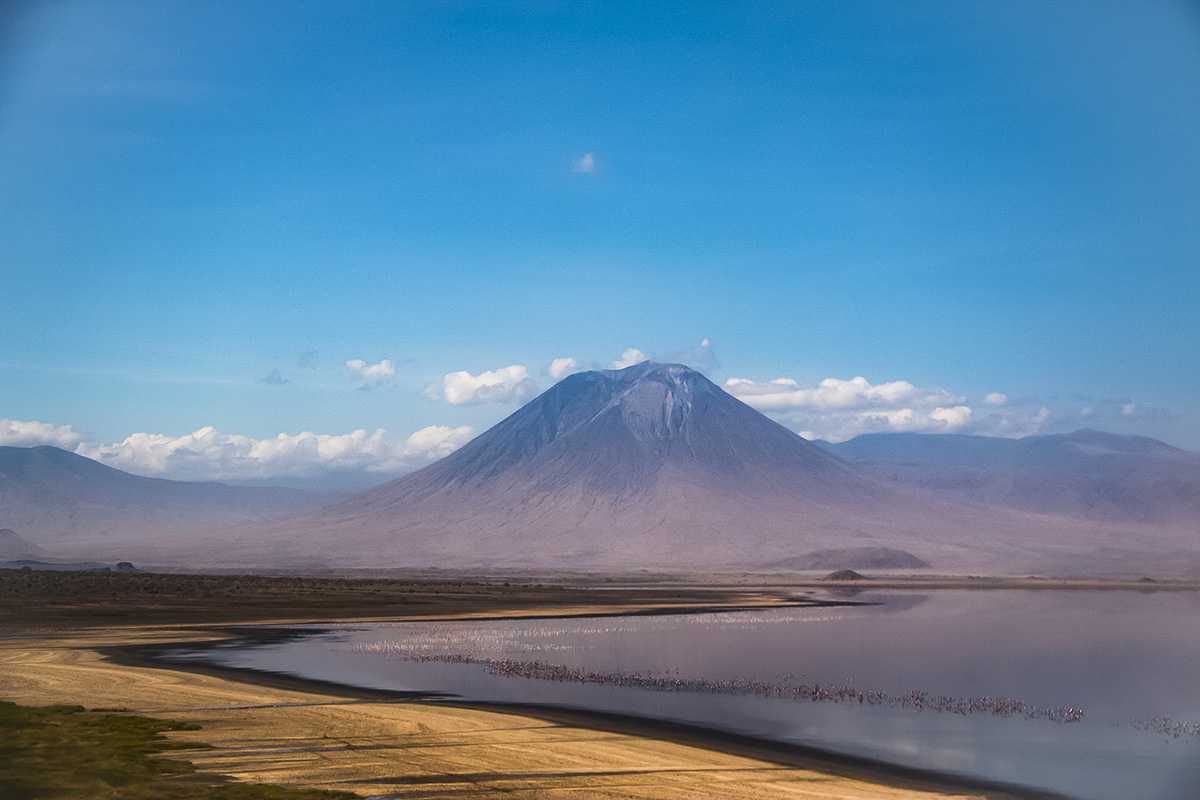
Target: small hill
[[853, 558], [845, 575], [13, 547]]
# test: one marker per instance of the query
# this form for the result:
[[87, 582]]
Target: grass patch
[[67, 752]]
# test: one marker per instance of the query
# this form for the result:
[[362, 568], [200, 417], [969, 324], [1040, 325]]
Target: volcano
[[619, 436], [655, 466], [649, 465]]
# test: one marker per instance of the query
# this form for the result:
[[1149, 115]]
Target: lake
[[1092, 694]]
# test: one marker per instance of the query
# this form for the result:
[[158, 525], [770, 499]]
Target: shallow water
[[986, 684]]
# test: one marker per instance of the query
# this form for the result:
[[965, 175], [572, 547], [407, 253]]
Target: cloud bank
[[210, 454], [837, 409]]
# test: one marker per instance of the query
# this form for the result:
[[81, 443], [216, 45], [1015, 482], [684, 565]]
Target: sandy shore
[[289, 733]]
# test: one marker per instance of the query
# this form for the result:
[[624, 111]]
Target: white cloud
[[834, 394], [370, 376], [31, 433], [900, 420], [209, 454], [585, 164], [953, 418], [562, 367], [505, 385], [629, 357], [436, 441], [839, 409]]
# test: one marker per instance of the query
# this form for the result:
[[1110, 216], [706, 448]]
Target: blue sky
[[967, 198]]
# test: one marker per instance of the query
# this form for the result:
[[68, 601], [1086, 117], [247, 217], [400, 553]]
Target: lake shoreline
[[530, 751], [103, 638], [780, 753]]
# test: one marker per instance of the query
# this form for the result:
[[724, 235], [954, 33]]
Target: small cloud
[[951, 419], [562, 367], [307, 360], [371, 376], [995, 398], [505, 385], [629, 357], [584, 165], [274, 378], [436, 441], [702, 356]]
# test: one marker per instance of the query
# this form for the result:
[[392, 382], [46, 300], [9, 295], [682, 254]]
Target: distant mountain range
[[68, 503], [655, 466], [1087, 474]]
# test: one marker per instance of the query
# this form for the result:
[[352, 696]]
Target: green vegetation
[[67, 752]]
